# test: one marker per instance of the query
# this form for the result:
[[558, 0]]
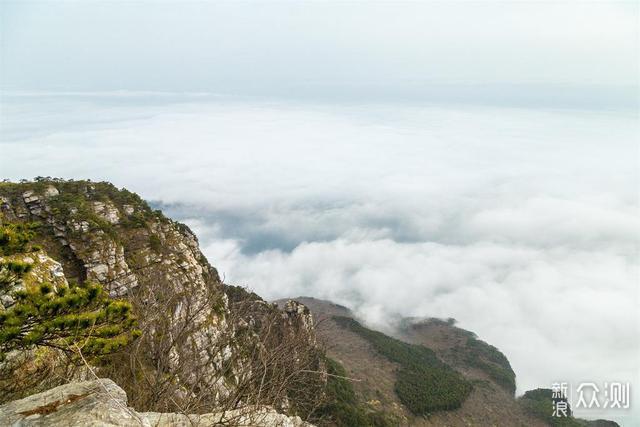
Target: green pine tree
[[78, 317], [15, 238]]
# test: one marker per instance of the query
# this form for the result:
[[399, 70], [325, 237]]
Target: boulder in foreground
[[102, 403]]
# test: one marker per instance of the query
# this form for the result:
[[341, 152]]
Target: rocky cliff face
[[195, 342], [110, 236]]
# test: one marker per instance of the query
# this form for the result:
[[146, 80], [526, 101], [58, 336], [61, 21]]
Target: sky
[[475, 160], [577, 51]]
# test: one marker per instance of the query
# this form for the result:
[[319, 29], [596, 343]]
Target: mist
[[520, 223]]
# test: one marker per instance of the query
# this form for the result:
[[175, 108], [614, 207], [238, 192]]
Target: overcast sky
[[474, 160], [403, 50]]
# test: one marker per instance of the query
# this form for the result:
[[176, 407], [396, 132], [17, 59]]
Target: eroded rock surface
[[102, 403]]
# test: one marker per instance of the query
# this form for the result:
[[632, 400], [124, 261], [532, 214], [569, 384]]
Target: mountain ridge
[[492, 401]]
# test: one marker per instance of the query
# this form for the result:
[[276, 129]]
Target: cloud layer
[[521, 224]]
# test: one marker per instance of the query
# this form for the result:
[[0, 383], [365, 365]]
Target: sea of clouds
[[522, 224]]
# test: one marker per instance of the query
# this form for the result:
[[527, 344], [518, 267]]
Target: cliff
[[203, 344]]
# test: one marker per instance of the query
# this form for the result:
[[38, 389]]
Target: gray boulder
[[102, 403]]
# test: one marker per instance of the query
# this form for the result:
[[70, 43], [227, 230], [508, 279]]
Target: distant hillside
[[461, 349], [377, 363]]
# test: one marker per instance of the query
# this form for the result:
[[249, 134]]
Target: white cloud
[[522, 224], [559, 314]]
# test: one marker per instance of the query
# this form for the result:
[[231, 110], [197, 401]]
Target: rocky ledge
[[102, 403]]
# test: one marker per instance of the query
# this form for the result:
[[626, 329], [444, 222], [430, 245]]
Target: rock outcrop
[[101, 403], [112, 237], [201, 338], [109, 236]]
